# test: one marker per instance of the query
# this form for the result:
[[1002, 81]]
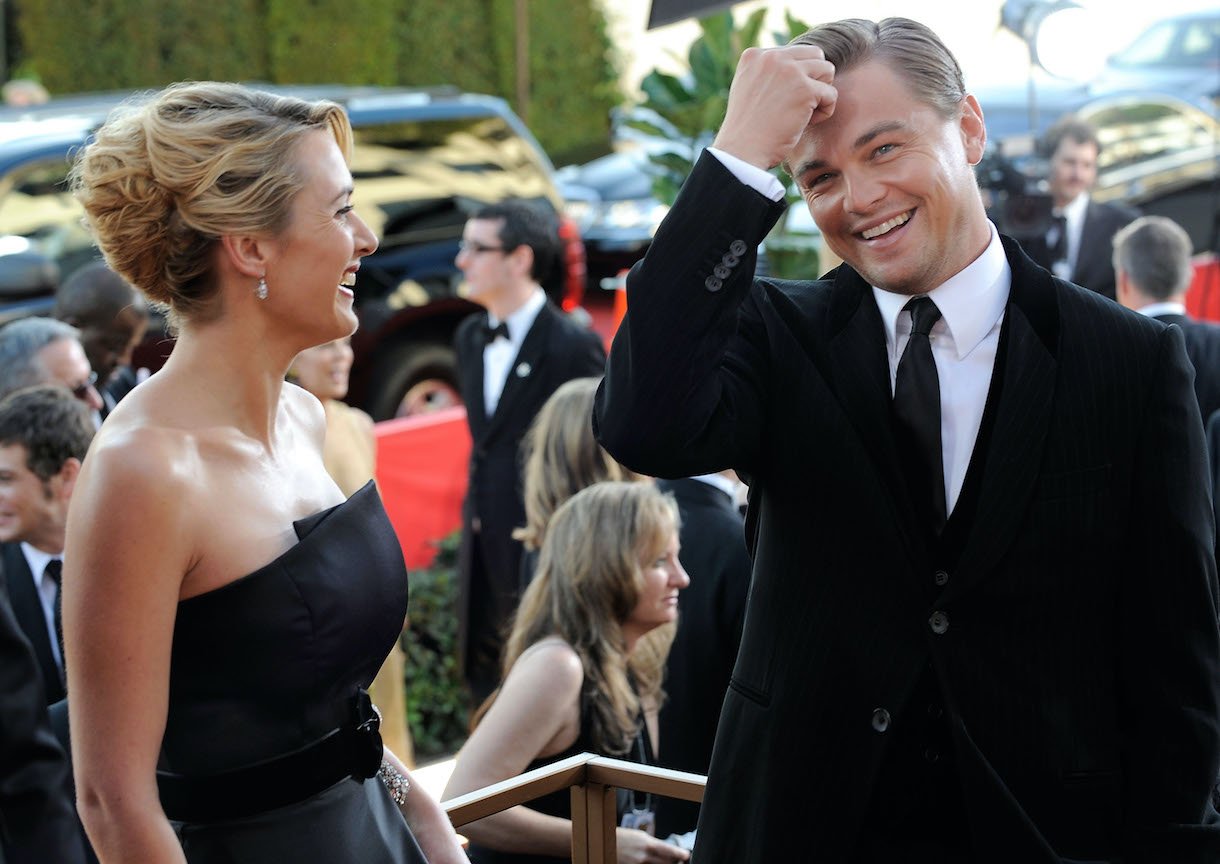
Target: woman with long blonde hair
[[582, 669], [561, 458]]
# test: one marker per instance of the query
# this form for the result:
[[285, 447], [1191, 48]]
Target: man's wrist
[[759, 179]]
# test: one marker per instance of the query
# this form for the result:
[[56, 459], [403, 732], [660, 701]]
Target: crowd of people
[[970, 613]]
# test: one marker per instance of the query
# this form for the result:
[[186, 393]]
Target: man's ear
[[522, 260], [245, 253], [974, 130], [68, 472]]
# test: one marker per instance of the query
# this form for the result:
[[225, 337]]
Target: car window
[[1151, 48], [39, 214], [418, 178], [1139, 130]]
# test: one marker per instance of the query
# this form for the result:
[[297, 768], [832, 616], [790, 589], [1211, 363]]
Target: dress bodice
[[271, 662]]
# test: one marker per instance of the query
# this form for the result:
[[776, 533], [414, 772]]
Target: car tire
[[414, 378]]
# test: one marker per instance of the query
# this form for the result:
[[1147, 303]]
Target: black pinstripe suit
[[1079, 663]]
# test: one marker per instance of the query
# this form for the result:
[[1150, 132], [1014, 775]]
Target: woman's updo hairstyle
[[165, 178]]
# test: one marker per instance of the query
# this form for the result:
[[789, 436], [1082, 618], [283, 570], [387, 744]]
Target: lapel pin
[[523, 370]]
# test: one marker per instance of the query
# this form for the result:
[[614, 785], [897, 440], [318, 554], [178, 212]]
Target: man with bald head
[[112, 318], [982, 616]]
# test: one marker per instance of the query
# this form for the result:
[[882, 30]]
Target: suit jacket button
[[730, 260], [939, 622], [722, 272], [881, 719], [738, 247], [940, 577], [713, 284]]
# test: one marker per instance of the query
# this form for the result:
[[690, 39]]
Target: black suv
[[424, 160]]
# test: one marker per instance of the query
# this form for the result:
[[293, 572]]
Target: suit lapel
[[523, 371], [860, 375], [472, 377], [1022, 419], [27, 608]]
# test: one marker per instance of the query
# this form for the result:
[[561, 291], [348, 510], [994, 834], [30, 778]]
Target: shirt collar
[[1073, 211], [970, 302], [1152, 310], [520, 321], [37, 561], [719, 481]]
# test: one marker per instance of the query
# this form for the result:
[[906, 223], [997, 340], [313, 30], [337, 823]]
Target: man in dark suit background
[[710, 615], [44, 433], [37, 818], [1153, 270], [511, 358], [982, 617], [1077, 246]]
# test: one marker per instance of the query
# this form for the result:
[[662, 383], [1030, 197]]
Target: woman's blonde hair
[[588, 582], [562, 457], [165, 178]]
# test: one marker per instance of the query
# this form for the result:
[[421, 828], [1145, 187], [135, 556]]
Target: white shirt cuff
[[763, 182]]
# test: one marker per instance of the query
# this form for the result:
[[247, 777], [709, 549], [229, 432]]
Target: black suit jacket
[[1077, 648], [711, 612], [555, 350], [1094, 267], [37, 819], [1203, 348], [28, 608]]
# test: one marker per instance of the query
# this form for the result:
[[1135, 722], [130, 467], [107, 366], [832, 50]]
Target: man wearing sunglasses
[[511, 358], [45, 351]]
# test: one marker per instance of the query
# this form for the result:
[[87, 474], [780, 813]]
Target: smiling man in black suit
[[44, 433], [511, 358], [982, 617]]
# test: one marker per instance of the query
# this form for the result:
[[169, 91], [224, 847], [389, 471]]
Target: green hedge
[[437, 700], [80, 45]]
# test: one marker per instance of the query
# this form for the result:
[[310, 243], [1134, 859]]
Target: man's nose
[[861, 192]]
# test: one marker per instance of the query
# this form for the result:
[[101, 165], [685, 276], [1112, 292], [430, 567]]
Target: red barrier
[[1203, 297], [421, 474]]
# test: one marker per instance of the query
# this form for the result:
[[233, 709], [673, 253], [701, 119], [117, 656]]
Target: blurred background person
[[46, 351], [711, 615], [1077, 246], [511, 357], [350, 456], [578, 676], [1153, 270], [112, 319], [561, 458], [226, 605], [44, 434]]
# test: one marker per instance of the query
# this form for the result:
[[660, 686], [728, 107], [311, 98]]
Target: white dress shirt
[[499, 355], [37, 561], [964, 340]]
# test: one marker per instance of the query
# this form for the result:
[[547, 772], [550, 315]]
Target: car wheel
[[413, 379]]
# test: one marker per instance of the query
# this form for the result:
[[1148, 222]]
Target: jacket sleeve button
[[881, 719]]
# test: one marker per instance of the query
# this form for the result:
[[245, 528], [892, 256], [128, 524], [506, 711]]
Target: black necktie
[[490, 333], [917, 410], [55, 571], [1057, 239]]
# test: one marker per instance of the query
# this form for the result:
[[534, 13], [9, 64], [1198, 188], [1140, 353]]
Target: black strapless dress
[[268, 665]]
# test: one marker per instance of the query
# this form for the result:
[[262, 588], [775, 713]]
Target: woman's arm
[[128, 548], [537, 713], [428, 821]]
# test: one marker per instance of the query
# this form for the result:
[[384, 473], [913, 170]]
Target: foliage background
[[82, 45]]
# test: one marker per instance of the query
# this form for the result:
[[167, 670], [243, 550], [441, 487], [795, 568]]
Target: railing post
[[600, 816]]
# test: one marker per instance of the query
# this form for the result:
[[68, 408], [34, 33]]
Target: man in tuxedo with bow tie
[[982, 616], [511, 357]]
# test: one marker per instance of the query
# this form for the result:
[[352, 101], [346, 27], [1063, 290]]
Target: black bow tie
[[490, 333]]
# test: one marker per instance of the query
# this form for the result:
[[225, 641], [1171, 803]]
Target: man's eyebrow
[[880, 129]]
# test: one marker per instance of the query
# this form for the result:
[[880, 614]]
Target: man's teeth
[[900, 219]]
